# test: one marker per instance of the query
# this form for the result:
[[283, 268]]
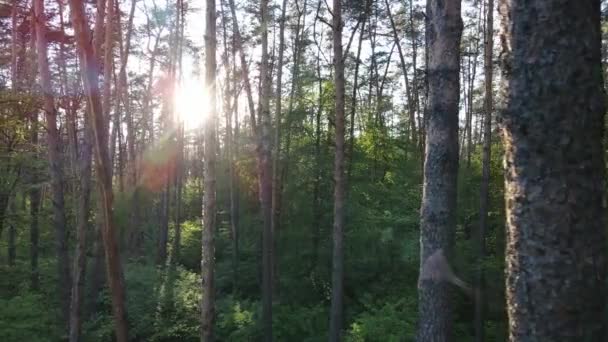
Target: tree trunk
[[553, 129], [264, 166], [55, 162], [353, 103], [438, 210], [276, 179], [80, 257], [244, 66], [90, 76], [337, 291], [485, 181], [209, 199]]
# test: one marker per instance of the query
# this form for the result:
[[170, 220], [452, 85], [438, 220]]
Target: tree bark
[[438, 210], [90, 75], [553, 129], [55, 162], [209, 177], [485, 178], [337, 292]]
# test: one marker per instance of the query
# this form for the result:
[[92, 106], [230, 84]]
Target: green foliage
[[26, 317]]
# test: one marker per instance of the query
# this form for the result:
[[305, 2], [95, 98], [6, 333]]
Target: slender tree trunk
[[244, 67], [80, 257], [55, 162], [90, 76], [209, 199], [316, 197], [553, 130], [264, 166], [438, 210], [485, 181], [410, 101], [337, 292], [276, 172], [353, 103]]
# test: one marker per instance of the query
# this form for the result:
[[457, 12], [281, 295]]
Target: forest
[[303, 170]]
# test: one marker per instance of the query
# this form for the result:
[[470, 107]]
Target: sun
[[191, 102]]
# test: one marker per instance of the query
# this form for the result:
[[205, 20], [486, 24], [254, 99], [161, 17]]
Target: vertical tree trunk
[[209, 199], [553, 128], [244, 66], [337, 279], [55, 162], [353, 103], [485, 181], [90, 76], [80, 257], [276, 179], [410, 101], [316, 196], [438, 210], [264, 165]]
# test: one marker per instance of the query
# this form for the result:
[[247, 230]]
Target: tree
[[553, 128], [438, 210], [209, 204], [485, 182], [90, 78], [337, 275], [55, 160], [264, 168]]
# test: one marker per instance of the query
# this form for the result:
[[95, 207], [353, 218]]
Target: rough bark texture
[[554, 183], [337, 278], [485, 181], [55, 162], [90, 73], [209, 199], [438, 210]]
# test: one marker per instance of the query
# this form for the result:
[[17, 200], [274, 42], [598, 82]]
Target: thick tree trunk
[[438, 210], [209, 177], [337, 291], [90, 73], [55, 162], [485, 181], [553, 129]]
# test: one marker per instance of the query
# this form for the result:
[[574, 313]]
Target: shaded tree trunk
[[438, 209], [276, 172], [80, 257], [264, 166], [337, 279], [55, 162], [485, 181], [90, 76], [553, 129]]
